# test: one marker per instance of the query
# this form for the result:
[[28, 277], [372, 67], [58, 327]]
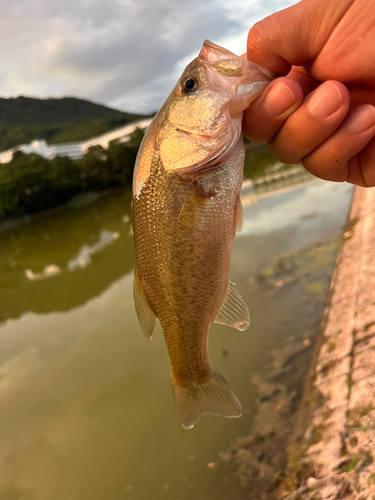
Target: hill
[[23, 119]]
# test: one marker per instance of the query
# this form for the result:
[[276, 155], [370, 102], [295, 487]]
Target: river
[[86, 408]]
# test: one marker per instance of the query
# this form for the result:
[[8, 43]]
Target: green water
[[86, 409]]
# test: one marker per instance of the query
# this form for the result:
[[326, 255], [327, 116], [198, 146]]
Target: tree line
[[31, 183]]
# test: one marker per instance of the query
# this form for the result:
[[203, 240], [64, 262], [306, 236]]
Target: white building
[[39, 147], [72, 149], [75, 150]]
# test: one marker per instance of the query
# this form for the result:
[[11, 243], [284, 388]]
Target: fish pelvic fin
[[234, 311], [146, 316], [211, 396]]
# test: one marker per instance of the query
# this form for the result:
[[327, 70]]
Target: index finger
[[270, 110]]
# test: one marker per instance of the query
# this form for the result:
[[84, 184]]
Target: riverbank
[[333, 458]]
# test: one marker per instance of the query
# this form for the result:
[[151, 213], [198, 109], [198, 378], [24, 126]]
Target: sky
[[126, 54]]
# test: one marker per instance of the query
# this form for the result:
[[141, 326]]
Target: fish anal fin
[[234, 311], [239, 215], [146, 316], [211, 396]]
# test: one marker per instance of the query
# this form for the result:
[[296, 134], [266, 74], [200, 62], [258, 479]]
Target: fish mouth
[[210, 52], [236, 75]]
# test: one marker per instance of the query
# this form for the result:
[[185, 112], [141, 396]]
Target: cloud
[[125, 53]]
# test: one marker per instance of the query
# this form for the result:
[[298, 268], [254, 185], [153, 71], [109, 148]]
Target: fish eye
[[189, 84]]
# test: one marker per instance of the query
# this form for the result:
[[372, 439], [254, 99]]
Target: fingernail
[[361, 119], [324, 101], [279, 99]]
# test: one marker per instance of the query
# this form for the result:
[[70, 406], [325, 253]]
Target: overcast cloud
[[123, 53]]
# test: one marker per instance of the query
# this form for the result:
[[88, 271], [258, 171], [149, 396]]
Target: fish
[[186, 209]]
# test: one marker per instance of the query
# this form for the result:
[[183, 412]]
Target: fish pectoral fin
[[191, 212], [146, 316], [211, 396], [234, 311], [239, 215]]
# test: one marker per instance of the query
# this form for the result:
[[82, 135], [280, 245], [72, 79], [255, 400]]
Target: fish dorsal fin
[[146, 316], [239, 215], [234, 311]]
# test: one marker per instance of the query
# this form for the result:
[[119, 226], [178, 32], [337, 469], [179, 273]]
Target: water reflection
[[68, 239], [86, 410], [316, 203], [83, 258]]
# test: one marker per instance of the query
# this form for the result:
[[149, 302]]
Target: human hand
[[329, 127]]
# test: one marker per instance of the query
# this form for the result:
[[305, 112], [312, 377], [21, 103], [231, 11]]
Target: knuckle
[[257, 128], [324, 170], [282, 154], [255, 136], [254, 39], [314, 169], [367, 173]]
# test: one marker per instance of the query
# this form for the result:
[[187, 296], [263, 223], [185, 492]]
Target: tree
[[123, 159], [96, 169], [136, 138]]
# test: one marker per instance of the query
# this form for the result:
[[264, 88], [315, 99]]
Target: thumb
[[294, 36]]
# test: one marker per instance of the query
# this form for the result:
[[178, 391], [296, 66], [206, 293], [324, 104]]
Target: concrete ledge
[[341, 437]]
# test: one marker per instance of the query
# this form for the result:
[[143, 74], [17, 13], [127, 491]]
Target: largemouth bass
[[186, 208]]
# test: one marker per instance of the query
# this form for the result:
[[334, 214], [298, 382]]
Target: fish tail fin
[[210, 396]]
